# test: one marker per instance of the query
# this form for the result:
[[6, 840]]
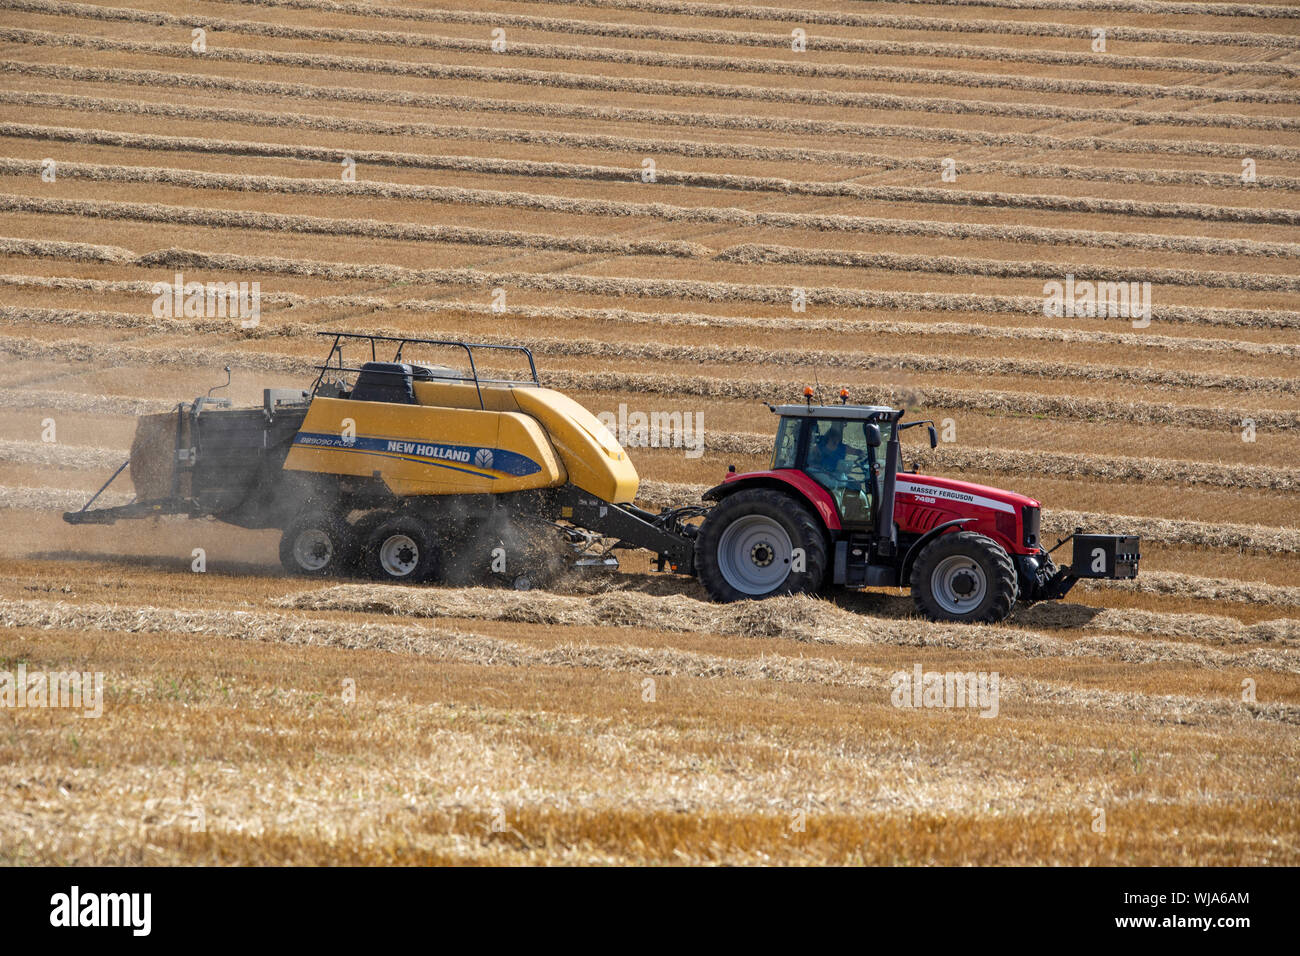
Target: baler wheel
[[316, 543], [403, 550]]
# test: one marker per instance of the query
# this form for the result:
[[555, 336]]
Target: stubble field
[[252, 717]]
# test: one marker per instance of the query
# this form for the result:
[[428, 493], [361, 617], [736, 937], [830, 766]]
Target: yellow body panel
[[596, 461], [525, 438], [427, 450], [461, 395]]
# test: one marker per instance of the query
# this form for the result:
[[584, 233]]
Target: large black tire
[[964, 576], [748, 540], [317, 543], [403, 549]]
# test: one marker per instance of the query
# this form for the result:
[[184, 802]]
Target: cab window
[[837, 452], [787, 444], [838, 458]]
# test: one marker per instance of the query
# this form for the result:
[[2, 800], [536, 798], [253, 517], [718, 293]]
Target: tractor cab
[[843, 448]]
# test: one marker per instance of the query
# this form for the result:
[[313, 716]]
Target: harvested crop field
[[679, 207]]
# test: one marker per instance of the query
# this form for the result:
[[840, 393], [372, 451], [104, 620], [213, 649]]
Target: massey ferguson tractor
[[413, 472], [835, 511]]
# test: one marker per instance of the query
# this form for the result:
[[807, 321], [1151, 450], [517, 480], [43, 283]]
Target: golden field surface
[[253, 717]]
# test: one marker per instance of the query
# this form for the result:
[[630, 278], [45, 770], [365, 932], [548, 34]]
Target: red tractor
[[835, 511]]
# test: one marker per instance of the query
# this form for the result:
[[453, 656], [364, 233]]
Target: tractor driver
[[827, 453]]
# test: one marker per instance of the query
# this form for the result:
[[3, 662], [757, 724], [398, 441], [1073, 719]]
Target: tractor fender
[[796, 482], [905, 569]]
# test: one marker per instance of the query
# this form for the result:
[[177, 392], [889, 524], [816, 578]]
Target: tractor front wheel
[[760, 543], [964, 576]]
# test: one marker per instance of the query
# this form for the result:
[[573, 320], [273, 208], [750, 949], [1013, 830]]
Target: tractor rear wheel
[[318, 543], [403, 549], [964, 576], [760, 543]]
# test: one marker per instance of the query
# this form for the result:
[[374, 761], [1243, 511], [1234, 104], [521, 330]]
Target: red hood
[[905, 480], [975, 494]]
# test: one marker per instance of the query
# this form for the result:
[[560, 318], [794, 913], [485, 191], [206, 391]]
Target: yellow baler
[[445, 444], [410, 469]]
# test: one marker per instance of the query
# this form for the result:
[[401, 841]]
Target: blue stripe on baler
[[463, 458]]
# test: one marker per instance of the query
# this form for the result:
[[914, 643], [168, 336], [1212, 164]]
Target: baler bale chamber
[[208, 459]]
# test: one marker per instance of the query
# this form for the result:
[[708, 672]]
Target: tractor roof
[[849, 412]]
